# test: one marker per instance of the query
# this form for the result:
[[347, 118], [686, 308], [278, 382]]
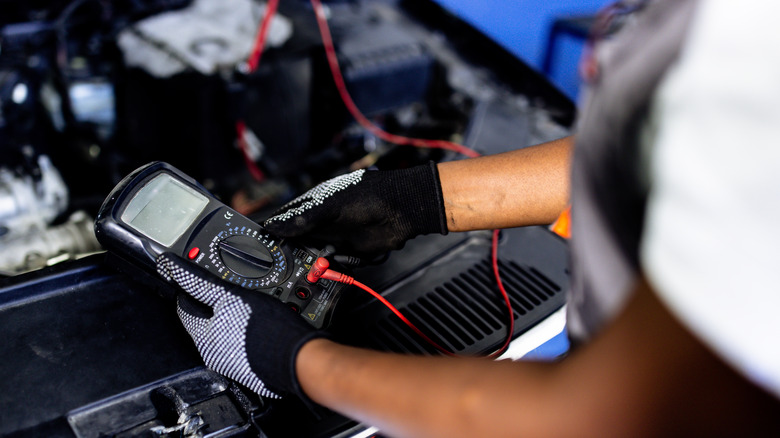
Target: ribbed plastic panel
[[456, 301], [467, 309]]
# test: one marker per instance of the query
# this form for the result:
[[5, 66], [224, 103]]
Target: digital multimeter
[[158, 209]]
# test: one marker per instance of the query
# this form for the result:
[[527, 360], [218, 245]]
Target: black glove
[[245, 335], [366, 212]]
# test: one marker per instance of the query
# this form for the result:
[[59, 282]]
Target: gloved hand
[[366, 212], [245, 335]]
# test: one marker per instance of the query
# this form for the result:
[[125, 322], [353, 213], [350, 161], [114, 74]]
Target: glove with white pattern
[[245, 335], [366, 212]]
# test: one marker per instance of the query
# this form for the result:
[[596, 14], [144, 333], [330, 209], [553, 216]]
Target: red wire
[[338, 78], [252, 63], [505, 295], [262, 34], [332, 275], [403, 318], [254, 170]]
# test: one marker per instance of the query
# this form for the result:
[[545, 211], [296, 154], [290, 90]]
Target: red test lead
[[320, 270], [317, 269]]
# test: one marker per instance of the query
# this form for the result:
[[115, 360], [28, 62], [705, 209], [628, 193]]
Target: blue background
[[523, 26]]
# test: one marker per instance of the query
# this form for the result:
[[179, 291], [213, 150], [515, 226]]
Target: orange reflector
[[562, 225]]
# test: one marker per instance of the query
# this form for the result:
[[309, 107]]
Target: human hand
[[245, 335], [366, 212]]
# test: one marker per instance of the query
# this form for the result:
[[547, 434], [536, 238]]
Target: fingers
[[296, 217], [193, 317], [288, 224], [191, 279]]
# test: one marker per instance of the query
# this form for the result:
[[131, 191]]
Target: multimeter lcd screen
[[163, 209]]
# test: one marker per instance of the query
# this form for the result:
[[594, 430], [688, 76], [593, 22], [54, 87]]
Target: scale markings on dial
[[246, 257]]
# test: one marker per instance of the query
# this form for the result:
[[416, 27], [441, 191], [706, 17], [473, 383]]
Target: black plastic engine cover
[[89, 351], [80, 332]]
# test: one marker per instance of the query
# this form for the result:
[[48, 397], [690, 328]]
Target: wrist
[[274, 336], [417, 192]]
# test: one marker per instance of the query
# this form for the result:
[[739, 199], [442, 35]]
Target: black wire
[[61, 58], [61, 28]]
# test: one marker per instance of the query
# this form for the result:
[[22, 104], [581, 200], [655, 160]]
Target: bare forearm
[[524, 187], [644, 376], [419, 396]]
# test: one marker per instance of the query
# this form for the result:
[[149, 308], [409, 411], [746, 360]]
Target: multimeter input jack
[[302, 293]]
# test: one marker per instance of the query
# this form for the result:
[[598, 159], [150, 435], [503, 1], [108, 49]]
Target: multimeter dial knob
[[245, 256]]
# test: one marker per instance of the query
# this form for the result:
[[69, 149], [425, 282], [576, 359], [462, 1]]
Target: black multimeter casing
[[158, 209]]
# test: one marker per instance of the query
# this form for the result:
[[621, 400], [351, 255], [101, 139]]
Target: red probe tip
[[317, 269]]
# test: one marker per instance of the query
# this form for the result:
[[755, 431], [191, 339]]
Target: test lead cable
[[338, 79], [322, 23], [251, 66], [320, 269]]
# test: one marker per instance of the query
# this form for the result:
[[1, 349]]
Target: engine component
[[28, 205], [93, 102], [206, 36], [384, 66], [39, 246], [27, 201], [17, 109]]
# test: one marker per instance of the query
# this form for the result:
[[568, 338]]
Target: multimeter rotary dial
[[248, 257], [243, 255]]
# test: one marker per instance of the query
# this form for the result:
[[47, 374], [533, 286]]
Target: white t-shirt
[[712, 226]]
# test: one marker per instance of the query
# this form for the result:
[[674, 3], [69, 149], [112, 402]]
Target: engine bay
[[90, 90], [79, 112]]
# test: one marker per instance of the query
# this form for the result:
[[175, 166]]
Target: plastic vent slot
[[467, 313]]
